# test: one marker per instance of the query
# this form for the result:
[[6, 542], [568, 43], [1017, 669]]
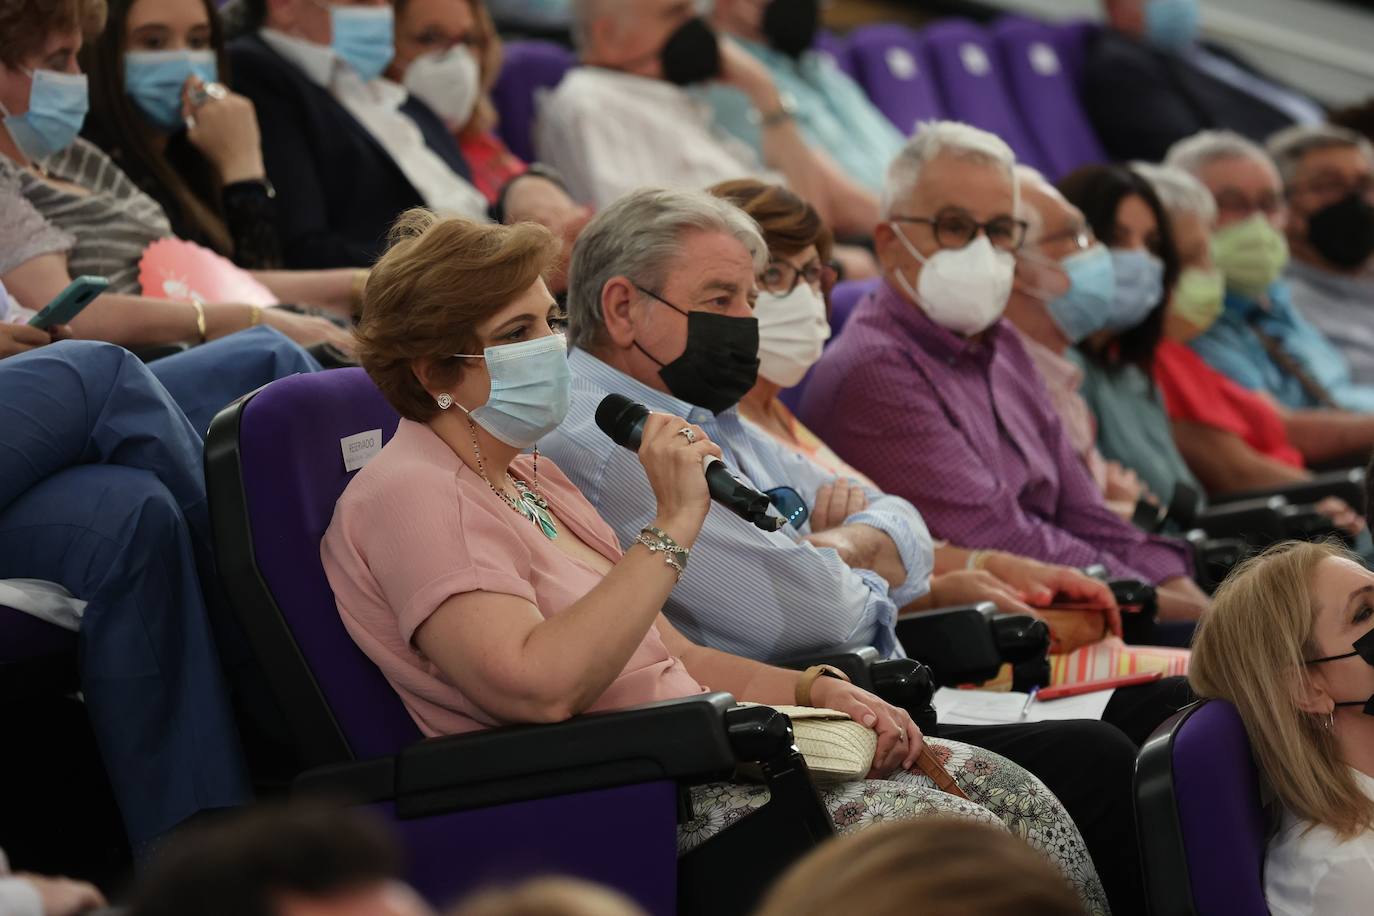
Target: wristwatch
[[786, 111], [808, 680]]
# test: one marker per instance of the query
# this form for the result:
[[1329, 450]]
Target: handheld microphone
[[623, 420]]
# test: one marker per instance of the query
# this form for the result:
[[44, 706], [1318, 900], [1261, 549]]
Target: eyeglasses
[[1081, 236], [790, 505], [781, 277], [956, 230], [1331, 186], [1236, 203]]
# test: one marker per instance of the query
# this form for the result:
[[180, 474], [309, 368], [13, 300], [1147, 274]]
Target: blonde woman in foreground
[[1290, 642]]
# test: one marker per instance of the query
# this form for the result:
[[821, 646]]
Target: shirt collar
[[1274, 304], [940, 342], [611, 380]]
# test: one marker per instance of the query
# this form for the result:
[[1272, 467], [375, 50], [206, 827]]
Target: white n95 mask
[[449, 82], [963, 290], [793, 330]]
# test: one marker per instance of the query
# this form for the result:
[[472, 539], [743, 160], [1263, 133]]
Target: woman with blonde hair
[[1290, 642]]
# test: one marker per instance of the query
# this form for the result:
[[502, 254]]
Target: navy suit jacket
[[338, 191]]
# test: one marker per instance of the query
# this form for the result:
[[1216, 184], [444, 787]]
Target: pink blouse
[[417, 526]]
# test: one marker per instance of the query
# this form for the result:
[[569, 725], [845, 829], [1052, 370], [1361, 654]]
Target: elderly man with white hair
[[1232, 438], [625, 118], [1261, 341], [1328, 175], [932, 395]]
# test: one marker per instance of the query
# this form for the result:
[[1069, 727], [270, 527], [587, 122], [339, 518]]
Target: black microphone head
[[622, 419]]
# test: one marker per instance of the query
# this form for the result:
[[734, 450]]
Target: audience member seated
[[298, 860], [1290, 642], [624, 118], [1328, 177], [1233, 439], [160, 112], [448, 55], [1060, 296], [1148, 82], [831, 109], [934, 867], [934, 397], [558, 897], [64, 206], [102, 493], [836, 578], [345, 148], [1261, 341], [490, 592], [1117, 361], [38, 895], [539, 14]]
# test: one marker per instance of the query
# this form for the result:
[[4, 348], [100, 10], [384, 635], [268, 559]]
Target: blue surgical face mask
[[1086, 307], [363, 37], [531, 387], [1139, 288], [1171, 25], [58, 103], [155, 80]]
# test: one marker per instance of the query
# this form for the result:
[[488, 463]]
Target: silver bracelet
[[659, 541]]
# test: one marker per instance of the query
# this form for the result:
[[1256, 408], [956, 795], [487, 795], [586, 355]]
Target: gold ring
[[689, 434]]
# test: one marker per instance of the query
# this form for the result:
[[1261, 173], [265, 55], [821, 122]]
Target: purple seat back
[[836, 48], [1071, 40], [529, 67], [890, 64], [968, 71], [1047, 96], [293, 474], [24, 637]]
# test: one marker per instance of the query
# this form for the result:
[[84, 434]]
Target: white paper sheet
[[985, 707]]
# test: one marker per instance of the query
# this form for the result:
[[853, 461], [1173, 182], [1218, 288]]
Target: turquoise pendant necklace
[[529, 504]]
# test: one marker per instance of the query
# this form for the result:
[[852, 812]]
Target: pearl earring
[[445, 401]]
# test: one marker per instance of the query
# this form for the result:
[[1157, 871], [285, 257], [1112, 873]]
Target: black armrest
[[903, 682], [1256, 521], [1213, 558], [684, 740], [855, 661], [1347, 484], [1305, 523], [957, 643], [153, 353]]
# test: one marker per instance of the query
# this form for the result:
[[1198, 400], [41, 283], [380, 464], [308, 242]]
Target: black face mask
[[1364, 648], [720, 364], [1343, 233], [691, 54], [791, 25]]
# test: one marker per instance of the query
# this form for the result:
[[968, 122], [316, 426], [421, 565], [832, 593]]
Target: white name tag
[[361, 448]]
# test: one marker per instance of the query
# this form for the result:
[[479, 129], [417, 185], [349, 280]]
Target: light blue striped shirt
[[747, 592]]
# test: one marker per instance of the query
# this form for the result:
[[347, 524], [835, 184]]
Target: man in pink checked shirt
[[931, 393]]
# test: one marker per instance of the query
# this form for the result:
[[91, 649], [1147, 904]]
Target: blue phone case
[[69, 303]]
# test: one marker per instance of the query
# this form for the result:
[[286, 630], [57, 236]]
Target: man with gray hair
[[1328, 176], [660, 311], [625, 117], [932, 395], [1262, 341]]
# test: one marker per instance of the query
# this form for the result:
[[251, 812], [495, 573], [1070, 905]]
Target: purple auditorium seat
[[890, 64], [596, 796], [968, 72], [529, 66], [836, 48], [1047, 96], [1071, 40], [843, 298], [1202, 829]]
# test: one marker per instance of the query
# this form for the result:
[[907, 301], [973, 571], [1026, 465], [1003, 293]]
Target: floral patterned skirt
[[999, 791]]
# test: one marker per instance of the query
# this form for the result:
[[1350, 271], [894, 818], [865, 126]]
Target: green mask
[[1199, 297], [1251, 254]]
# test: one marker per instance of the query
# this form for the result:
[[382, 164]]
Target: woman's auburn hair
[[789, 224], [26, 24], [1250, 650], [440, 278]]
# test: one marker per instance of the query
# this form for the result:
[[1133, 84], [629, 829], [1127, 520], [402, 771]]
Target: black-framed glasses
[[1238, 203], [1081, 236], [956, 230], [781, 277], [790, 505], [1332, 186]]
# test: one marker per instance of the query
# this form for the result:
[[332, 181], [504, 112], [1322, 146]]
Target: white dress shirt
[[1315, 873], [377, 106], [608, 133]]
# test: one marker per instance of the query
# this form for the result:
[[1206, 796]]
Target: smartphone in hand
[[80, 293]]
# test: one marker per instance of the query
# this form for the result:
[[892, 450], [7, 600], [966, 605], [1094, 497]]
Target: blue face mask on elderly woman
[[1139, 288], [58, 103], [531, 388]]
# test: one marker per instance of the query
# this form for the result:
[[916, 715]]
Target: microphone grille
[[619, 417]]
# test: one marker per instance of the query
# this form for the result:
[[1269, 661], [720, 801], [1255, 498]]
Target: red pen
[[1073, 690]]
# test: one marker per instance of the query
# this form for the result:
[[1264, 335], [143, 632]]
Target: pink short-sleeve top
[[416, 526]]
